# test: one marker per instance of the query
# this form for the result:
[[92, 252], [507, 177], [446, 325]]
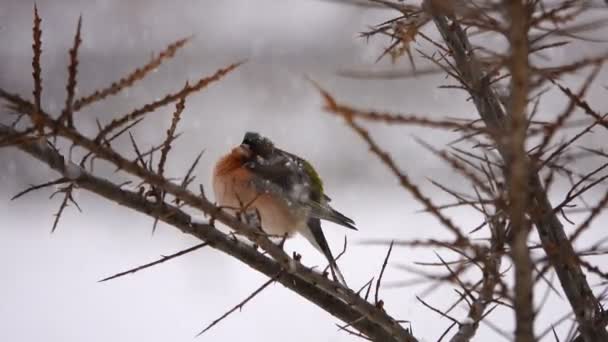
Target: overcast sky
[[49, 289]]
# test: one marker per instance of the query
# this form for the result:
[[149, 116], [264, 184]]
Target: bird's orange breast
[[234, 190]]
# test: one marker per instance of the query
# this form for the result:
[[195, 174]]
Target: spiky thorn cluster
[[510, 159]]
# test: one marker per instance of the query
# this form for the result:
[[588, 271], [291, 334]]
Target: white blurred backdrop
[[48, 287]]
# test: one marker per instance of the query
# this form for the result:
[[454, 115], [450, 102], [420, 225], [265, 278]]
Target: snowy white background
[[48, 287]]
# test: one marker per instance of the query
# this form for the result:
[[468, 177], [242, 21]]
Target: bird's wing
[[296, 180], [281, 175], [308, 175]]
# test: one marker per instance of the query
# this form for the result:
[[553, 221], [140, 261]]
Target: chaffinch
[[281, 189]]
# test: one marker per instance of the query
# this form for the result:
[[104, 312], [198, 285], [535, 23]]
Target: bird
[[283, 191]]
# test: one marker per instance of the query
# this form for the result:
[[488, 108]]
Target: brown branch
[[340, 302], [402, 119], [135, 76], [17, 138], [169, 98], [67, 199], [553, 238], [37, 48], [188, 178], [240, 305], [39, 186], [491, 278], [582, 104], [379, 281], [156, 262], [332, 107], [518, 168], [67, 113], [441, 313], [179, 108], [164, 152]]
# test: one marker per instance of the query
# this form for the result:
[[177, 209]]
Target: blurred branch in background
[[508, 123], [505, 155]]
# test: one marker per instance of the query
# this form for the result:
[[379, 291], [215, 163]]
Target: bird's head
[[255, 145]]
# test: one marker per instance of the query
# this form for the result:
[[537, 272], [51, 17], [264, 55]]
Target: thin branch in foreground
[[188, 178], [379, 281], [342, 252], [441, 313], [365, 287], [353, 332], [39, 186], [241, 304], [67, 198], [156, 262]]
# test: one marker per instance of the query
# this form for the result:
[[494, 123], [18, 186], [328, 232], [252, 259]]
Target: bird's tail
[[315, 235]]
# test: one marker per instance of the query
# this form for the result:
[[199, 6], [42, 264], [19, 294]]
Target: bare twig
[[240, 305], [156, 262], [37, 47], [67, 113], [379, 281], [551, 232], [40, 186], [135, 76]]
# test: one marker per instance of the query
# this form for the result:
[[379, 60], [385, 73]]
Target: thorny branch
[[550, 229], [156, 262], [371, 321], [518, 168], [340, 302]]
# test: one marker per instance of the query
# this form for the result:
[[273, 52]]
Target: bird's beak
[[242, 150]]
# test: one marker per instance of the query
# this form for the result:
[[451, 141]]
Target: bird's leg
[[256, 217], [281, 243], [240, 213]]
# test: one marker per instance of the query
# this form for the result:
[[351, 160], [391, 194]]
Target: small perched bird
[[283, 190]]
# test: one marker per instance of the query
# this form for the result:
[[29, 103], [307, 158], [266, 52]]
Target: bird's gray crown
[[258, 144]]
